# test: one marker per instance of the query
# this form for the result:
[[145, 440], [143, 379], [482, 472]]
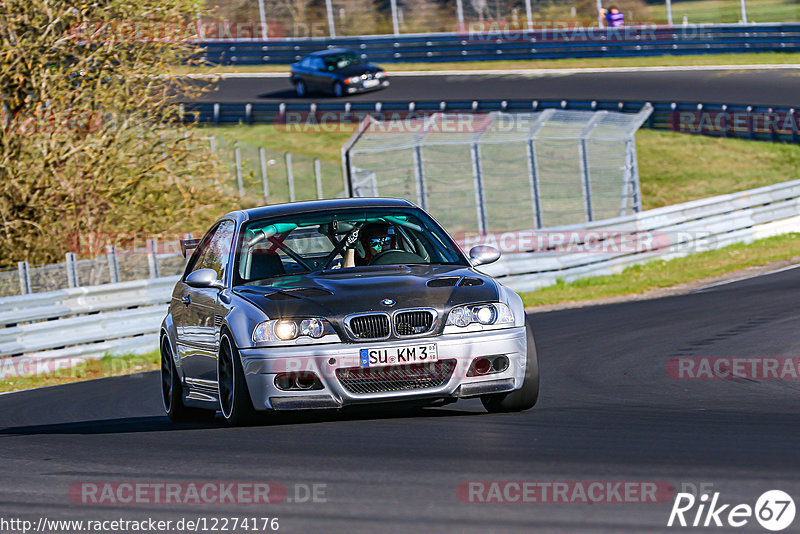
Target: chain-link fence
[[277, 19], [261, 176], [501, 172]]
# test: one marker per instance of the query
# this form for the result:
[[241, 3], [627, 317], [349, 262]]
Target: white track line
[[526, 72]]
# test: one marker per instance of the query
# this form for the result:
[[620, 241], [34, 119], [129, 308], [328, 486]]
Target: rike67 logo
[[774, 510]]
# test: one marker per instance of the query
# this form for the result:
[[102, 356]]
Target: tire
[[520, 399], [338, 90], [300, 88], [234, 397], [172, 391]]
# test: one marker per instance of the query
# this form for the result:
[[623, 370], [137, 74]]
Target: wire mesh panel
[[9, 282], [502, 172], [93, 272], [48, 277]]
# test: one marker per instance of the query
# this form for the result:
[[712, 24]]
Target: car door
[[321, 80], [198, 342]]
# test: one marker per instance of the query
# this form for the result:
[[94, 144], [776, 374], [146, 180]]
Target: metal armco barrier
[[84, 322], [505, 43], [125, 318], [713, 119]]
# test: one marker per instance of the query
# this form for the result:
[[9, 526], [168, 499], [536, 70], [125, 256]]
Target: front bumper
[[359, 88], [261, 365]]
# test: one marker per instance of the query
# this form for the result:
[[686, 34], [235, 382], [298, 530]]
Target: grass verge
[[655, 275], [87, 370], [763, 58]]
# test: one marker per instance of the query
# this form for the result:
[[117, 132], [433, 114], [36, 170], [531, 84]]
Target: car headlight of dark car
[[290, 329], [353, 80], [496, 314]]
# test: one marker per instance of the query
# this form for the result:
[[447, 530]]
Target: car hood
[[336, 294], [356, 70]]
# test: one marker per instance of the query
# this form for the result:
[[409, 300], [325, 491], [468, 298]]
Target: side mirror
[[483, 255], [204, 278]]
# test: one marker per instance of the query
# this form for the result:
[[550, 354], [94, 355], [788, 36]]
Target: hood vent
[[449, 281], [453, 281], [280, 295]]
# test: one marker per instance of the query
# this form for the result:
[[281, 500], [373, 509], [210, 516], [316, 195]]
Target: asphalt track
[[768, 87], [608, 411]]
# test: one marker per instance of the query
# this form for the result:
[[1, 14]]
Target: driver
[[376, 238]]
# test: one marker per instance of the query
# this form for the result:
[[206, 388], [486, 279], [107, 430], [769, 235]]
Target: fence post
[[113, 264], [584, 162], [477, 175], [262, 155], [318, 178], [24, 278], [669, 12], [637, 192], [262, 14], [533, 164], [72, 270], [290, 175], [395, 22], [216, 113], [460, 14], [586, 182], [329, 10], [238, 155], [152, 258], [744, 11], [533, 168], [419, 174]]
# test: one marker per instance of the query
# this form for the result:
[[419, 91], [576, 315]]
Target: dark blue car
[[337, 71]]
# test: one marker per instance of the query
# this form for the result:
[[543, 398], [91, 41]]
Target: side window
[[214, 251], [317, 63], [306, 63]]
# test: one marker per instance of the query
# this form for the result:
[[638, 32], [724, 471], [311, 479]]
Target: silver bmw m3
[[341, 302]]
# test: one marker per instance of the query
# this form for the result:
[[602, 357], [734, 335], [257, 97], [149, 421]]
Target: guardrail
[[722, 120], [658, 234], [513, 44], [84, 322]]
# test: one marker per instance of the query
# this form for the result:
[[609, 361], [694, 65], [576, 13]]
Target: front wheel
[[234, 398], [172, 391], [300, 87], [520, 399]]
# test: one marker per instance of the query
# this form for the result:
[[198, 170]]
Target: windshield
[[342, 239], [340, 61]]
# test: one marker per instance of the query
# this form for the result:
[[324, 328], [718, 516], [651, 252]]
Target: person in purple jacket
[[614, 17]]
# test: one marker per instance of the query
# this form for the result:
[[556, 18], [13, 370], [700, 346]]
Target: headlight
[[289, 329], [380, 74], [353, 79], [485, 314]]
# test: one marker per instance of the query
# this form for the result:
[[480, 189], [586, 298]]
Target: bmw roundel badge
[[387, 302]]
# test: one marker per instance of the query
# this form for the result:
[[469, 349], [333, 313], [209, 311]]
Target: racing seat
[[264, 264]]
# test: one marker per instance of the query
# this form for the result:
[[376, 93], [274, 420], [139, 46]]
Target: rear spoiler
[[188, 245]]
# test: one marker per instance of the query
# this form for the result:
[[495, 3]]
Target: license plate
[[398, 355], [371, 83]]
